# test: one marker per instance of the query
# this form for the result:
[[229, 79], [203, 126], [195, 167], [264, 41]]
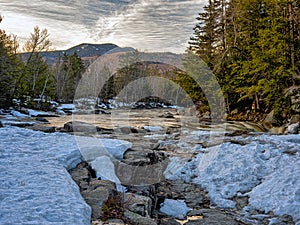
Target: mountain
[[87, 52]]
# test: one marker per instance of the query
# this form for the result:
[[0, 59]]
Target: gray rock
[[115, 222], [41, 119], [97, 194], [43, 128], [126, 130], [138, 204], [212, 217], [293, 128], [169, 221], [136, 219], [78, 126]]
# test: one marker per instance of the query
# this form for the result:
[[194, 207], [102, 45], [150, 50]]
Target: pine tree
[[9, 67]]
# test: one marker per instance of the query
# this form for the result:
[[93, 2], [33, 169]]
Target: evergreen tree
[[9, 67], [67, 74]]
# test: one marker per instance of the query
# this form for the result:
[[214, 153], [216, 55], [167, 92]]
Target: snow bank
[[267, 169], [35, 187]]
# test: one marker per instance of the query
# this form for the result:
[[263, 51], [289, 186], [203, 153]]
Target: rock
[[78, 126], [175, 208], [81, 175], [277, 130], [41, 119], [268, 121], [43, 129], [293, 128], [97, 194], [295, 119], [126, 130], [169, 221], [193, 194], [20, 123], [294, 92], [1, 125], [138, 204], [167, 115], [115, 222], [212, 216], [103, 130], [136, 219]]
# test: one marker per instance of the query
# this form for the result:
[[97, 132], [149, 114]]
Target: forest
[[252, 48]]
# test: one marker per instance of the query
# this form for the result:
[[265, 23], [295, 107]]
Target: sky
[[147, 25]]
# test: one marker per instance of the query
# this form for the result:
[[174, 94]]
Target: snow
[[35, 187], [35, 113], [91, 148], [175, 208], [265, 168], [152, 128]]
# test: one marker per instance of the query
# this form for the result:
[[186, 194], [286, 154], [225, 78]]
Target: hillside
[[87, 52]]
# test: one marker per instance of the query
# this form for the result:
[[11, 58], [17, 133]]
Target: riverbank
[[230, 172]]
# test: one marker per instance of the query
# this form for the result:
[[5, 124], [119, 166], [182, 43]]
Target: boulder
[[78, 126], [211, 217], [126, 130], [97, 194], [293, 128], [1, 125], [138, 204], [41, 119], [43, 128], [136, 219]]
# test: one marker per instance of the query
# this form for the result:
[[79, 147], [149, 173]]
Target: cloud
[[155, 25]]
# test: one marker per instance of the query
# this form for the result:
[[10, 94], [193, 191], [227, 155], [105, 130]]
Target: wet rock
[[1, 125], [136, 219], [175, 208], [211, 217]]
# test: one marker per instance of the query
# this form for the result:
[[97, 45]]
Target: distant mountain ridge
[[87, 52]]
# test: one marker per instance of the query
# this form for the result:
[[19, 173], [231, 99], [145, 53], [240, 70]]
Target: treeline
[[28, 78], [253, 49]]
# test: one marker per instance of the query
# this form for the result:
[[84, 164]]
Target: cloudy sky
[[147, 25]]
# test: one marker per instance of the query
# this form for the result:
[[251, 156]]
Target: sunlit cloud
[[153, 25]]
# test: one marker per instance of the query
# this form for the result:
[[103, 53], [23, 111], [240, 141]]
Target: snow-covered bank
[[35, 187], [265, 168]]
